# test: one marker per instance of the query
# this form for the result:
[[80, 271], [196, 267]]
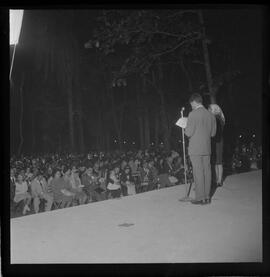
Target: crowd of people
[[63, 180], [246, 156], [53, 181]]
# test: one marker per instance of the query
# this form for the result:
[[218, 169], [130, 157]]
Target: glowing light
[[253, 135], [133, 142], [15, 24]]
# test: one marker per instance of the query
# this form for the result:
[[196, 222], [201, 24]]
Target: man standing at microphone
[[200, 126]]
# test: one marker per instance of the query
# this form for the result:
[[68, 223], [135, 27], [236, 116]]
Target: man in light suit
[[200, 126]]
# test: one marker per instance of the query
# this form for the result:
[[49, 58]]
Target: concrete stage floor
[[157, 228]]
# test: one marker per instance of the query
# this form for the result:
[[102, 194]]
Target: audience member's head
[[56, 173]]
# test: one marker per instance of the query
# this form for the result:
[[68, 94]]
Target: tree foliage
[[144, 36]]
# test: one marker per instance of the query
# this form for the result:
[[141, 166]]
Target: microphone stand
[[188, 187]]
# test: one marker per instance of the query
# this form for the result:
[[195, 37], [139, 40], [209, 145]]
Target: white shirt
[[199, 106], [21, 188]]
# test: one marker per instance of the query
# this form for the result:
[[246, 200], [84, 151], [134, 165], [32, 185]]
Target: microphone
[[182, 110]]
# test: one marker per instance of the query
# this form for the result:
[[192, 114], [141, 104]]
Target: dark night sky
[[241, 28]]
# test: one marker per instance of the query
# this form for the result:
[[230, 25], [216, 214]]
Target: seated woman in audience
[[145, 177], [103, 175], [166, 170], [114, 188], [123, 165], [39, 191], [236, 160], [96, 170], [61, 188], [76, 186], [135, 165], [87, 179], [178, 169], [12, 183], [127, 182], [153, 180], [22, 194], [48, 173], [91, 185], [28, 175]]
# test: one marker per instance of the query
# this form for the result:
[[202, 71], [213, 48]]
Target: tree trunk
[[140, 116], [185, 71], [156, 128], [146, 129], [212, 92], [141, 129], [70, 115], [115, 119], [163, 114], [232, 118], [107, 141], [33, 131], [99, 131], [21, 117], [80, 123], [166, 133], [59, 143], [145, 115]]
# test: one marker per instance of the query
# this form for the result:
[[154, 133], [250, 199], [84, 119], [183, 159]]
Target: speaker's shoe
[[207, 201], [198, 202]]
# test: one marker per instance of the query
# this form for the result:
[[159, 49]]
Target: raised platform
[[152, 227]]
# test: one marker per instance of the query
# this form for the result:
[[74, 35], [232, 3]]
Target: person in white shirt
[[21, 193], [113, 186]]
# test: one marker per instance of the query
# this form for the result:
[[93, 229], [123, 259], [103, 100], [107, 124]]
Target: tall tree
[[58, 57], [145, 115], [211, 90], [145, 36]]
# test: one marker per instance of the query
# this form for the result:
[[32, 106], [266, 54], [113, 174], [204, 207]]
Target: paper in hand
[[182, 122]]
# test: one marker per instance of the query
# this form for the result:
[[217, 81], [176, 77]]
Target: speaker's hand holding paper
[[182, 122]]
